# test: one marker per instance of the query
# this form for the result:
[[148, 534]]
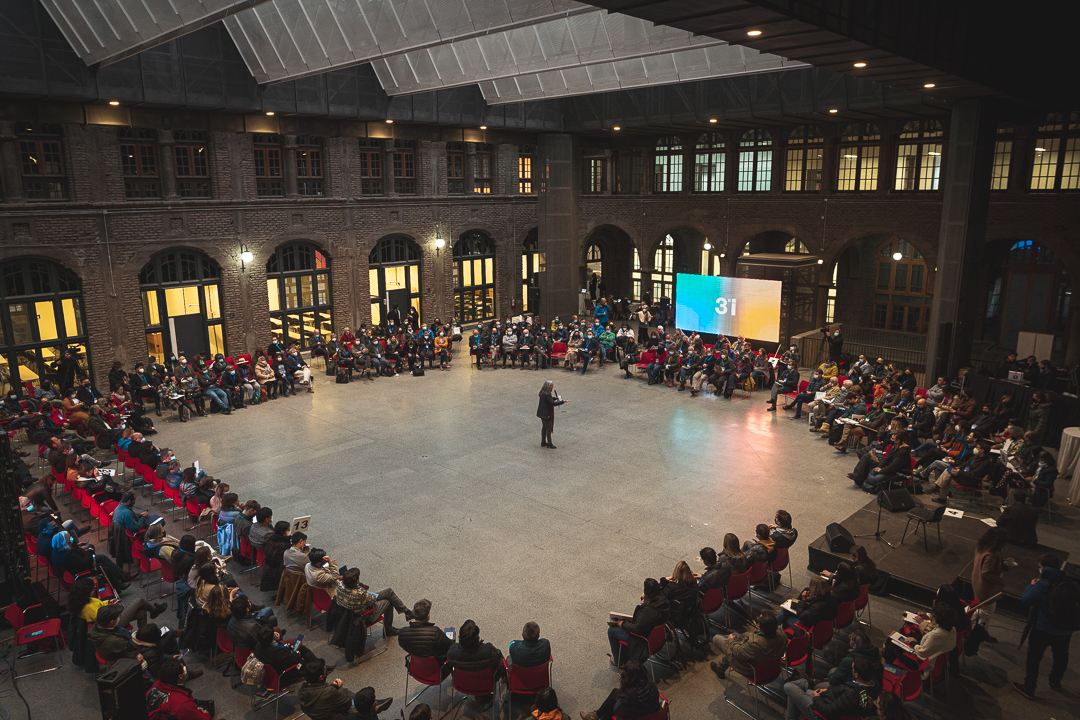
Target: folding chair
[[778, 565], [474, 683], [320, 603], [737, 588], [272, 682], [525, 680], [425, 670], [764, 673]]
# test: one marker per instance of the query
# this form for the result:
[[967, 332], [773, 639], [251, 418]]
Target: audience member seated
[[864, 566], [152, 645], [634, 633], [855, 698], [977, 468], [733, 556], [782, 534], [531, 650], [296, 557], [815, 604], [716, 573], [273, 650], [860, 647], [274, 555], [895, 464], [321, 571], [758, 644], [1043, 480], [1019, 520], [75, 557], [471, 654], [320, 700], [421, 637], [367, 707], [938, 635], [761, 548], [244, 623], [789, 383], [844, 582], [179, 702], [635, 697]]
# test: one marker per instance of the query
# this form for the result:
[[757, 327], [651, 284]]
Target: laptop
[[1016, 376]]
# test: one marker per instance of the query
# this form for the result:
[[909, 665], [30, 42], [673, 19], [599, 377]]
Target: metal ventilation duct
[[288, 39], [674, 67], [105, 31]]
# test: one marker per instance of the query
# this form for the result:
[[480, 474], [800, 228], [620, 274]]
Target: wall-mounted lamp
[[723, 254], [708, 246], [439, 245], [246, 256], [897, 256], [820, 261]]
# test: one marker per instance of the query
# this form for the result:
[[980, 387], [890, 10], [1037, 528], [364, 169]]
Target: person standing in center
[[546, 412]]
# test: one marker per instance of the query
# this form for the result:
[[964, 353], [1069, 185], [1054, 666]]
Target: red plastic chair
[[240, 655], [662, 714], [657, 640], [738, 587], [34, 633], [558, 351], [272, 682], [223, 644], [820, 634], [759, 573], [711, 601], [167, 575], [320, 603], [425, 670], [798, 651], [782, 562], [845, 615], [863, 602], [526, 680], [764, 673], [473, 683]]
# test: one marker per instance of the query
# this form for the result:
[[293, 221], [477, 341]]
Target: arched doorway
[[394, 276], [181, 297], [298, 285], [530, 273], [775, 242], [610, 253], [474, 277], [1028, 291], [901, 294], [41, 316], [680, 251]]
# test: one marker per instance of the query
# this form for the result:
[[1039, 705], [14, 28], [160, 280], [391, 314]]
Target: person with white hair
[[549, 400]]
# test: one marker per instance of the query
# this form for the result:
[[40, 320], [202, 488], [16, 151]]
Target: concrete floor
[[437, 487]]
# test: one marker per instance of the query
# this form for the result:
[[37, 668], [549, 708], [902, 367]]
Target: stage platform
[[915, 573]]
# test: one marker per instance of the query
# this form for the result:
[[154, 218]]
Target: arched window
[[709, 159], [1029, 292], [918, 157], [530, 272], [394, 276], [806, 148], [830, 300], [1056, 165], [181, 295], [474, 277], [41, 316], [860, 150], [795, 245], [663, 277], [902, 301], [594, 261], [668, 165], [635, 275], [298, 285], [755, 161]]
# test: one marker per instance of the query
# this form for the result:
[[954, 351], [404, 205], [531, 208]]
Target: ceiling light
[[929, 85], [851, 156], [820, 261], [753, 33], [616, 128], [1040, 149], [712, 120], [708, 245], [114, 102], [834, 111], [269, 112], [933, 153], [860, 64], [483, 127], [897, 256], [723, 254], [389, 122]]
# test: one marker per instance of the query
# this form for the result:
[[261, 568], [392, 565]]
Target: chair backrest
[[758, 572], [822, 633], [781, 561], [558, 348], [657, 638], [167, 571], [529, 680], [738, 586], [14, 615], [647, 357], [846, 614], [260, 557], [223, 642], [320, 599], [240, 655], [427, 670], [864, 596], [474, 682], [938, 514], [796, 651], [941, 662], [767, 671], [193, 509], [912, 684], [712, 600], [270, 677]]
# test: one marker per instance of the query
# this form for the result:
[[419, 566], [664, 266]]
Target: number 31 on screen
[[722, 305]]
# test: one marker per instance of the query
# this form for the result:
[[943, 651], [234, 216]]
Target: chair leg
[[906, 526], [939, 535], [925, 538]]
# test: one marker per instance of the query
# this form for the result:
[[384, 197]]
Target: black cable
[[10, 657]]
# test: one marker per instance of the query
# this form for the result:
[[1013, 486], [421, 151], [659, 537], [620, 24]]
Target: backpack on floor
[[342, 377], [331, 368]]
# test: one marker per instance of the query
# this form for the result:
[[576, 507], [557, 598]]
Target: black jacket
[[810, 612], [715, 577], [244, 633], [423, 639], [897, 461], [279, 657], [637, 703], [548, 403], [486, 657], [1019, 522], [848, 700]]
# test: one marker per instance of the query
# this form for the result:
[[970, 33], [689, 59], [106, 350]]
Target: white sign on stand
[[301, 524]]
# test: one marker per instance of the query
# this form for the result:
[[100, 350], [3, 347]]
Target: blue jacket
[[1039, 595], [601, 313], [126, 518]]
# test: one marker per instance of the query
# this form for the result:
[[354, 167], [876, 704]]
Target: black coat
[[810, 612], [423, 639], [548, 403], [646, 617]]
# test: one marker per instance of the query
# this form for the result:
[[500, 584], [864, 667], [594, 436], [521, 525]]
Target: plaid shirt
[[357, 599]]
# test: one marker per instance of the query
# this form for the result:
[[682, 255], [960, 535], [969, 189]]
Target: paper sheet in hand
[[774, 361], [819, 396], [954, 513], [108, 472], [911, 617], [899, 640], [787, 605], [619, 616]]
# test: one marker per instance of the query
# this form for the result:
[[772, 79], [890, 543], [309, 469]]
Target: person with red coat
[[179, 703]]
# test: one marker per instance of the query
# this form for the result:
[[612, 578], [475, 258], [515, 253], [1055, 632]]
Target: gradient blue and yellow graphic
[[728, 306]]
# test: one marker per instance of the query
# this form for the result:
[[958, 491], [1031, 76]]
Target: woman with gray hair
[[549, 399]]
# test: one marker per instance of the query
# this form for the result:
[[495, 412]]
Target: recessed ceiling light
[[483, 127], [114, 102], [753, 33], [929, 85], [712, 120], [616, 128], [389, 122], [269, 112], [834, 110], [860, 64]]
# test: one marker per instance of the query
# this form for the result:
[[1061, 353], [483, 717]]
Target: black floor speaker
[[899, 500], [122, 692], [840, 540]]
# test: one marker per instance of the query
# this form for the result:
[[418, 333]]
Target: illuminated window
[[918, 157], [663, 277], [455, 168], [530, 272], [635, 276], [309, 166], [709, 159], [41, 156], [755, 161], [138, 160], [41, 316], [806, 148], [1056, 165], [481, 168], [525, 169], [860, 150], [796, 246], [192, 166], [371, 164], [595, 182], [268, 175], [902, 301], [629, 172], [394, 276], [474, 277], [298, 285], [668, 165], [830, 300], [183, 286], [404, 167]]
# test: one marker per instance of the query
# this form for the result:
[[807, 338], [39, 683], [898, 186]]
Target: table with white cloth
[[1069, 461]]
